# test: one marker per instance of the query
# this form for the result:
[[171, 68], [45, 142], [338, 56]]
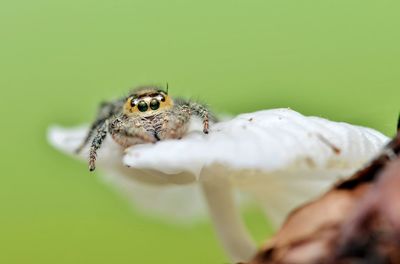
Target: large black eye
[[142, 106], [154, 104]]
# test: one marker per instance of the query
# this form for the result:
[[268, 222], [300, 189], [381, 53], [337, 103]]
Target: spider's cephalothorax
[[147, 115]]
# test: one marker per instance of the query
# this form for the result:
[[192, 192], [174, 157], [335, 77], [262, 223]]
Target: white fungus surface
[[279, 156]]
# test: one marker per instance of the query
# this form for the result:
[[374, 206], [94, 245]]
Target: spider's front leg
[[200, 111], [96, 144], [106, 110]]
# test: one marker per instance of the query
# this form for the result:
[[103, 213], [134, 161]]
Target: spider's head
[[147, 101]]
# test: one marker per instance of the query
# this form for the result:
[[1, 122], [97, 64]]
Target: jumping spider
[[147, 115]]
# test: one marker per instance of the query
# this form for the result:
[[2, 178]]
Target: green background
[[336, 59]]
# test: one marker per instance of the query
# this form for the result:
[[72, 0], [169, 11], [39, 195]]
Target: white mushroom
[[279, 156]]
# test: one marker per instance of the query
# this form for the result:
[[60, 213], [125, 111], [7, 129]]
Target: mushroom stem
[[227, 220]]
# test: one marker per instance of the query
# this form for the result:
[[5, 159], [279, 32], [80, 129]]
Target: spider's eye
[[154, 104], [132, 103], [142, 106]]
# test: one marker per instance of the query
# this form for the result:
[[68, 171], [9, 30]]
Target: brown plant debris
[[357, 221]]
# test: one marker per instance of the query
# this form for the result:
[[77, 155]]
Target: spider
[[147, 115]]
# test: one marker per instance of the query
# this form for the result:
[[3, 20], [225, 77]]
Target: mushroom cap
[[280, 156]]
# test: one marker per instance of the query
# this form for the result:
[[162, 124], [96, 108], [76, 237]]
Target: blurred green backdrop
[[336, 59]]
